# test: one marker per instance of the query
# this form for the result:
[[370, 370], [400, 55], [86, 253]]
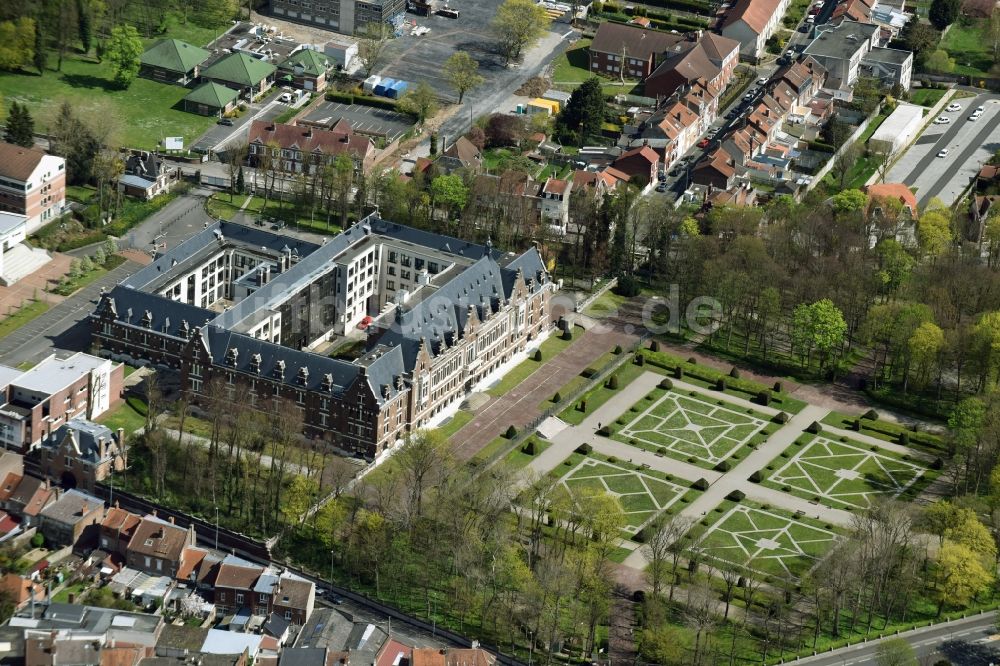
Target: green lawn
[[72, 285], [552, 346], [225, 207], [768, 540], [844, 474], [147, 111], [22, 316], [130, 415], [689, 427], [965, 43], [926, 96], [455, 423], [601, 394], [573, 65], [518, 458]]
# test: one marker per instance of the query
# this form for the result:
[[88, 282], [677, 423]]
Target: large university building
[[252, 311]]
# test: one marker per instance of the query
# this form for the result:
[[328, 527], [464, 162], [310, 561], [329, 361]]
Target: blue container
[[397, 89], [382, 89]]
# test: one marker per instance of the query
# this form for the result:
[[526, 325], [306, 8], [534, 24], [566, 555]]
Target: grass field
[[641, 495], [767, 540], [685, 427], [147, 111], [842, 474], [601, 394], [926, 96], [130, 415], [966, 44], [18, 318], [220, 205], [455, 423], [549, 348]]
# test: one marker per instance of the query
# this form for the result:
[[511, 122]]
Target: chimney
[[171, 519], [121, 437], [83, 508], [101, 449]]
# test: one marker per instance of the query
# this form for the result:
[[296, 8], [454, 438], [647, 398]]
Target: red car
[[703, 143]]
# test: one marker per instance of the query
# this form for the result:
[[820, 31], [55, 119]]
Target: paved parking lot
[[970, 144], [420, 58], [364, 119]]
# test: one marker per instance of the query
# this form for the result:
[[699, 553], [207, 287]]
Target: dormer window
[[255, 363], [327, 382], [231, 356], [303, 377], [279, 370]]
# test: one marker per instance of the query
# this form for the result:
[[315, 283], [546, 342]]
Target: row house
[[751, 23], [619, 49], [32, 183], [149, 544], [680, 120], [243, 585], [306, 149], [81, 454], [707, 58], [805, 77], [72, 519]]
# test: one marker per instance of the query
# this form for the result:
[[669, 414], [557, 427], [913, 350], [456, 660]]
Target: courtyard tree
[[462, 72], [420, 101], [944, 12], [934, 228], [374, 38], [895, 652], [939, 61], [17, 43], [518, 24], [123, 51], [818, 327], [450, 192], [19, 128], [423, 459], [583, 115]]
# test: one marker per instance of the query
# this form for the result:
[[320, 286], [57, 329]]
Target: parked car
[[662, 187], [943, 152], [448, 12], [703, 143], [226, 121], [953, 107], [285, 97], [942, 120]]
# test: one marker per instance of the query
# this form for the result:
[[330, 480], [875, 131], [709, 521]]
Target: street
[[972, 641]]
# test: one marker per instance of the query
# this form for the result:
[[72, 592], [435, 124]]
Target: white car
[[762, 80], [285, 97], [942, 120], [975, 115], [953, 107], [943, 152]]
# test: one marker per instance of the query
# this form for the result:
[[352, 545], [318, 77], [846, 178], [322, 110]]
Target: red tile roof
[[311, 140], [897, 191], [755, 13], [18, 162]]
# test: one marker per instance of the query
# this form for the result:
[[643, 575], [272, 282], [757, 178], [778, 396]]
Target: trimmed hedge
[[756, 477], [780, 417], [511, 432], [736, 496], [734, 373], [612, 383], [814, 428], [618, 350], [665, 384], [700, 484], [604, 431], [364, 100], [640, 360], [529, 447], [587, 373], [584, 449], [537, 356], [870, 415], [764, 398], [722, 466], [720, 384]]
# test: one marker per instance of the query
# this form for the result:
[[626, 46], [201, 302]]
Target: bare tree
[[371, 46], [424, 456], [662, 538]]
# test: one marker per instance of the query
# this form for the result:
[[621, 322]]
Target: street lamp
[[331, 566], [217, 527], [531, 645]]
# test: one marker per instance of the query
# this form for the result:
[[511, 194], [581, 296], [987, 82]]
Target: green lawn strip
[[573, 65], [619, 555], [130, 416], [669, 438], [517, 458], [490, 450], [15, 319], [455, 423], [889, 432], [706, 377], [770, 361], [732, 535], [601, 394], [965, 43], [62, 596], [72, 285], [225, 207], [926, 96], [813, 477], [549, 348], [192, 425], [608, 303]]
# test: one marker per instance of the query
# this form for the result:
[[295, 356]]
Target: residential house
[[898, 193], [555, 195], [199, 568], [751, 23], [146, 175], [639, 47], [394, 653], [234, 587], [293, 599], [852, 10], [172, 61], [20, 591], [806, 77], [305, 149], [73, 519], [640, 164], [157, 545], [705, 57], [716, 170], [57, 390], [594, 183], [28, 499], [840, 50], [211, 99], [117, 530], [32, 183], [893, 67], [82, 453], [306, 69], [474, 656], [462, 154], [241, 72]]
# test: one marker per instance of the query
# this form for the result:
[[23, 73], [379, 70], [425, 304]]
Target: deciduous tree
[[518, 24], [421, 101], [462, 72], [123, 51], [944, 12], [17, 43], [371, 46]]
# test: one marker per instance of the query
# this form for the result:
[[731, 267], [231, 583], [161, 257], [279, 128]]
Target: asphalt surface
[[218, 136], [970, 145], [971, 641], [366, 119], [65, 325]]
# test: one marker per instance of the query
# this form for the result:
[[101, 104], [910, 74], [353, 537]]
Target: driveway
[[217, 137], [970, 144]]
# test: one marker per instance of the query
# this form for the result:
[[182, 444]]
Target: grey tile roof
[[167, 316], [71, 507], [85, 434]]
